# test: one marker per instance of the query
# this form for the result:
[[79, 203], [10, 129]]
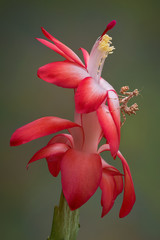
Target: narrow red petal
[[81, 174], [118, 185], [63, 47], [111, 186], [85, 56], [107, 186], [114, 108], [109, 27], [89, 96], [49, 150], [53, 47], [129, 193], [64, 74], [39, 128], [109, 128]]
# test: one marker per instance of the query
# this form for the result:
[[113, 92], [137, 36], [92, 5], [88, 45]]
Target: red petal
[[64, 74], [39, 128], [114, 108], [107, 186], [85, 56], [63, 48], [109, 128], [54, 163], [49, 150], [112, 170], [118, 185], [55, 160], [53, 47], [81, 174], [111, 186], [62, 138], [129, 193], [89, 96]]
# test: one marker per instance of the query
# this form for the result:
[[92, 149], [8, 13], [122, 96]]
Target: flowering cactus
[[97, 115]]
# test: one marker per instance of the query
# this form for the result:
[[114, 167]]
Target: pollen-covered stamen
[[100, 51], [104, 45]]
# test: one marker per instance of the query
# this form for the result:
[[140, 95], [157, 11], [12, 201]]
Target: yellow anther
[[104, 44]]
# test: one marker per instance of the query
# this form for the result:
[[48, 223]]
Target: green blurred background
[[28, 197]]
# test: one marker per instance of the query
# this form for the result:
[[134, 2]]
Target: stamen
[[104, 45], [101, 49]]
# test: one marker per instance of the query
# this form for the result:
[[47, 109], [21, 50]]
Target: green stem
[[65, 224]]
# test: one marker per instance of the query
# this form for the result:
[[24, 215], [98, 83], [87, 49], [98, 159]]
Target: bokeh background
[[28, 197]]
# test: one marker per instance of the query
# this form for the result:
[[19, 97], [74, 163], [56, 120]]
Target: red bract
[[77, 154]]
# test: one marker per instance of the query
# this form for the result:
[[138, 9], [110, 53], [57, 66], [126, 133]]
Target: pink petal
[[85, 56], [78, 137], [63, 48], [81, 174], [104, 147], [49, 150], [109, 128], [129, 193], [114, 108], [92, 131], [53, 47], [39, 128], [104, 84], [62, 138], [64, 74], [89, 96]]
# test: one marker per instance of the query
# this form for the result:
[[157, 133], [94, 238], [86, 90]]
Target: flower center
[[104, 44], [99, 53]]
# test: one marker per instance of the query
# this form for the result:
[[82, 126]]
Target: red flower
[[92, 91], [77, 155]]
